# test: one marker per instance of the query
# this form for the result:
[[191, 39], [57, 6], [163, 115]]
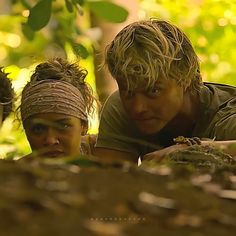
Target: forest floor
[[193, 193]]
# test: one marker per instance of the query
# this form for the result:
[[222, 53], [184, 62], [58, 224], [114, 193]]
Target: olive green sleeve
[[223, 124], [225, 128]]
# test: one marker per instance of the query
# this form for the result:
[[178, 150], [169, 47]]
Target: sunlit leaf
[[69, 6], [80, 2], [80, 50], [26, 4], [40, 15], [108, 11], [28, 32]]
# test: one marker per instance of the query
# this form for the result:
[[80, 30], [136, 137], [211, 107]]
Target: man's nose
[[51, 138], [138, 104]]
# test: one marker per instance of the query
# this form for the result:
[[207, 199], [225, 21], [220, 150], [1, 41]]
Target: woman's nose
[[51, 138]]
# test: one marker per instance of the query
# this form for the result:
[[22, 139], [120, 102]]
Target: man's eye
[[154, 91], [38, 128]]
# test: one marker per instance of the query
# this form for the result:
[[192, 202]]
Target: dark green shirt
[[217, 121]]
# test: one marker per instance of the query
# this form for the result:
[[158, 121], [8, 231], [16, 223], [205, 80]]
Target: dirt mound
[[83, 198]]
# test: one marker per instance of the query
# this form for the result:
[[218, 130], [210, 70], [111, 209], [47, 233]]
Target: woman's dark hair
[[6, 93]]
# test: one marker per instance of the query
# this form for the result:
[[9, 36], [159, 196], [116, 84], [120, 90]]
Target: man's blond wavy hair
[[145, 51]]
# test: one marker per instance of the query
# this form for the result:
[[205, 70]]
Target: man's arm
[[228, 147]]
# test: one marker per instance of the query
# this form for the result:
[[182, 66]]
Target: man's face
[[1, 114], [54, 135], [152, 110]]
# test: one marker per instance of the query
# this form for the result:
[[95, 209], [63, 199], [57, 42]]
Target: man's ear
[[84, 125]]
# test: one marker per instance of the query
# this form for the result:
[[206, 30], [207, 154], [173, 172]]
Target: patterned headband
[[52, 96]]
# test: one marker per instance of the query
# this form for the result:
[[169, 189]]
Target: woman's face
[[54, 135]]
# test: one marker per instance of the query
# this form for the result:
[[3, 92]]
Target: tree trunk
[[104, 81]]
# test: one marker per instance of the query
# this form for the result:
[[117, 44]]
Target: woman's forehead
[[52, 116]]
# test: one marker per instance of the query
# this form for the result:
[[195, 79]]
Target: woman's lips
[[53, 154]]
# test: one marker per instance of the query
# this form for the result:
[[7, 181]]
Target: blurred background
[[34, 30]]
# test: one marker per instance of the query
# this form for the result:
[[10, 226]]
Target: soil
[[192, 193]]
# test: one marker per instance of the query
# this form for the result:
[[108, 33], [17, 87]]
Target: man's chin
[[149, 130], [150, 127]]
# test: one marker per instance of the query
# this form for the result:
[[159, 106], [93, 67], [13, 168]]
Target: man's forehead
[[137, 85]]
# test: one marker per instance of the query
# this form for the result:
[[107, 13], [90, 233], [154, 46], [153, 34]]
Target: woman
[[55, 106]]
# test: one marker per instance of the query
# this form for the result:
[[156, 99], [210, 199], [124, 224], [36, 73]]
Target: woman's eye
[[38, 128], [63, 126]]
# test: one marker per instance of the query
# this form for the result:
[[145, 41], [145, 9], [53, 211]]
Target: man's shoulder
[[219, 113], [113, 98], [113, 103], [216, 95], [221, 88]]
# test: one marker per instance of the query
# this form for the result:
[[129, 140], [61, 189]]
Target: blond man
[[161, 95]]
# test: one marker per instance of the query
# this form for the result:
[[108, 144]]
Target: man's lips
[[145, 122], [143, 119]]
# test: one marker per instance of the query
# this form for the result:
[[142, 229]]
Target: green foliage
[[69, 6], [108, 11], [55, 22], [210, 25], [27, 31], [81, 50], [40, 14]]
